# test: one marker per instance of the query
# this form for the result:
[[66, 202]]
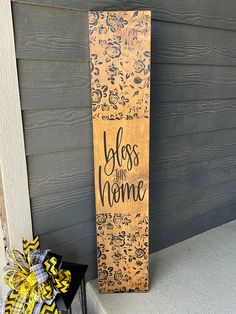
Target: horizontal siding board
[[72, 170], [76, 244], [53, 84], [82, 235], [57, 173], [54, 130], [49, 131], [55, 33], [186, 44], [64, 84], [186, 206], [192, 148], [195, 12], [179, 118], [166, 235], [79, 240], [192, 82], [172, 181], [55, 211], [50, 33]]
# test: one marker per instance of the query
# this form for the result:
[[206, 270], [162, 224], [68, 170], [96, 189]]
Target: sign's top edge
[[148, 11]]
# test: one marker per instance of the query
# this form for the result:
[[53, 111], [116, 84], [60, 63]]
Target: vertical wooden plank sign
[[120, 92]]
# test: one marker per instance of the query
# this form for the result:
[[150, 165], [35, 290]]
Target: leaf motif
[[137, 80], [104, 88]]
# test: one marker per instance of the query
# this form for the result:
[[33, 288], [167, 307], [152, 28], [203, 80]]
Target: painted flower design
[[101, 219], [139, 66], [102, 275], [117, 219], [120, 81], [118, 241], [117, 256], [124, 100], [110, 225], [112, 70], [118, 51], [118, 276], [126, 246], [93, 18], [105, 107], [114, 98], [122, 22], [113, 50], [112, 22], [99, 252], [139, 253], [96, 96]]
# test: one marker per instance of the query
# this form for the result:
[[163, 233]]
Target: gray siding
[[193, 124]]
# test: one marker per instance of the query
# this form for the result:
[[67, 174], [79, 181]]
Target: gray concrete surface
[[196, 276]]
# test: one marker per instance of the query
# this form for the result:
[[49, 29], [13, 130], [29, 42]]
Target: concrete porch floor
[[194, 276]]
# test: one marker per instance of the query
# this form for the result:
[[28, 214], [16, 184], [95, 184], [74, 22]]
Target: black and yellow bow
[[34, 280]]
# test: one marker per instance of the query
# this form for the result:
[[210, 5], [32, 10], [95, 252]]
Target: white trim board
[[12, 150]]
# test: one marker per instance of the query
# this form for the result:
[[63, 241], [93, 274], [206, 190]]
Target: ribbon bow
[[34, 279]]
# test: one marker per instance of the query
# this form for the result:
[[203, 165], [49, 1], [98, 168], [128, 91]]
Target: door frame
[[13, 167]]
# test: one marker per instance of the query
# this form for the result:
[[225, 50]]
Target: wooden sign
[[120, 92]]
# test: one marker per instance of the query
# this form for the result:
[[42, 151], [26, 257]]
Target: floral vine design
[[126, 249], [119, 61]]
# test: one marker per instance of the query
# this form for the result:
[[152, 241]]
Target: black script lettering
[[115, 156], [115, 192]]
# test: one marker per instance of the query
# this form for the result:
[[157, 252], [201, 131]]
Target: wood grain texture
[[67, 83], [63, 34], [194, 12], [120, 95]]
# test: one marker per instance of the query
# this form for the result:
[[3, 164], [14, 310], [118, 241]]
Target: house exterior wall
[[193, 119], [2, 240]]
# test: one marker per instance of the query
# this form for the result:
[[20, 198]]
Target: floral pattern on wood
[[123, 263], [120, 72], [120, 94]]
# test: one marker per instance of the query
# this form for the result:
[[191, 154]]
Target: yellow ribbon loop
[[61, 278], [34, 282]]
